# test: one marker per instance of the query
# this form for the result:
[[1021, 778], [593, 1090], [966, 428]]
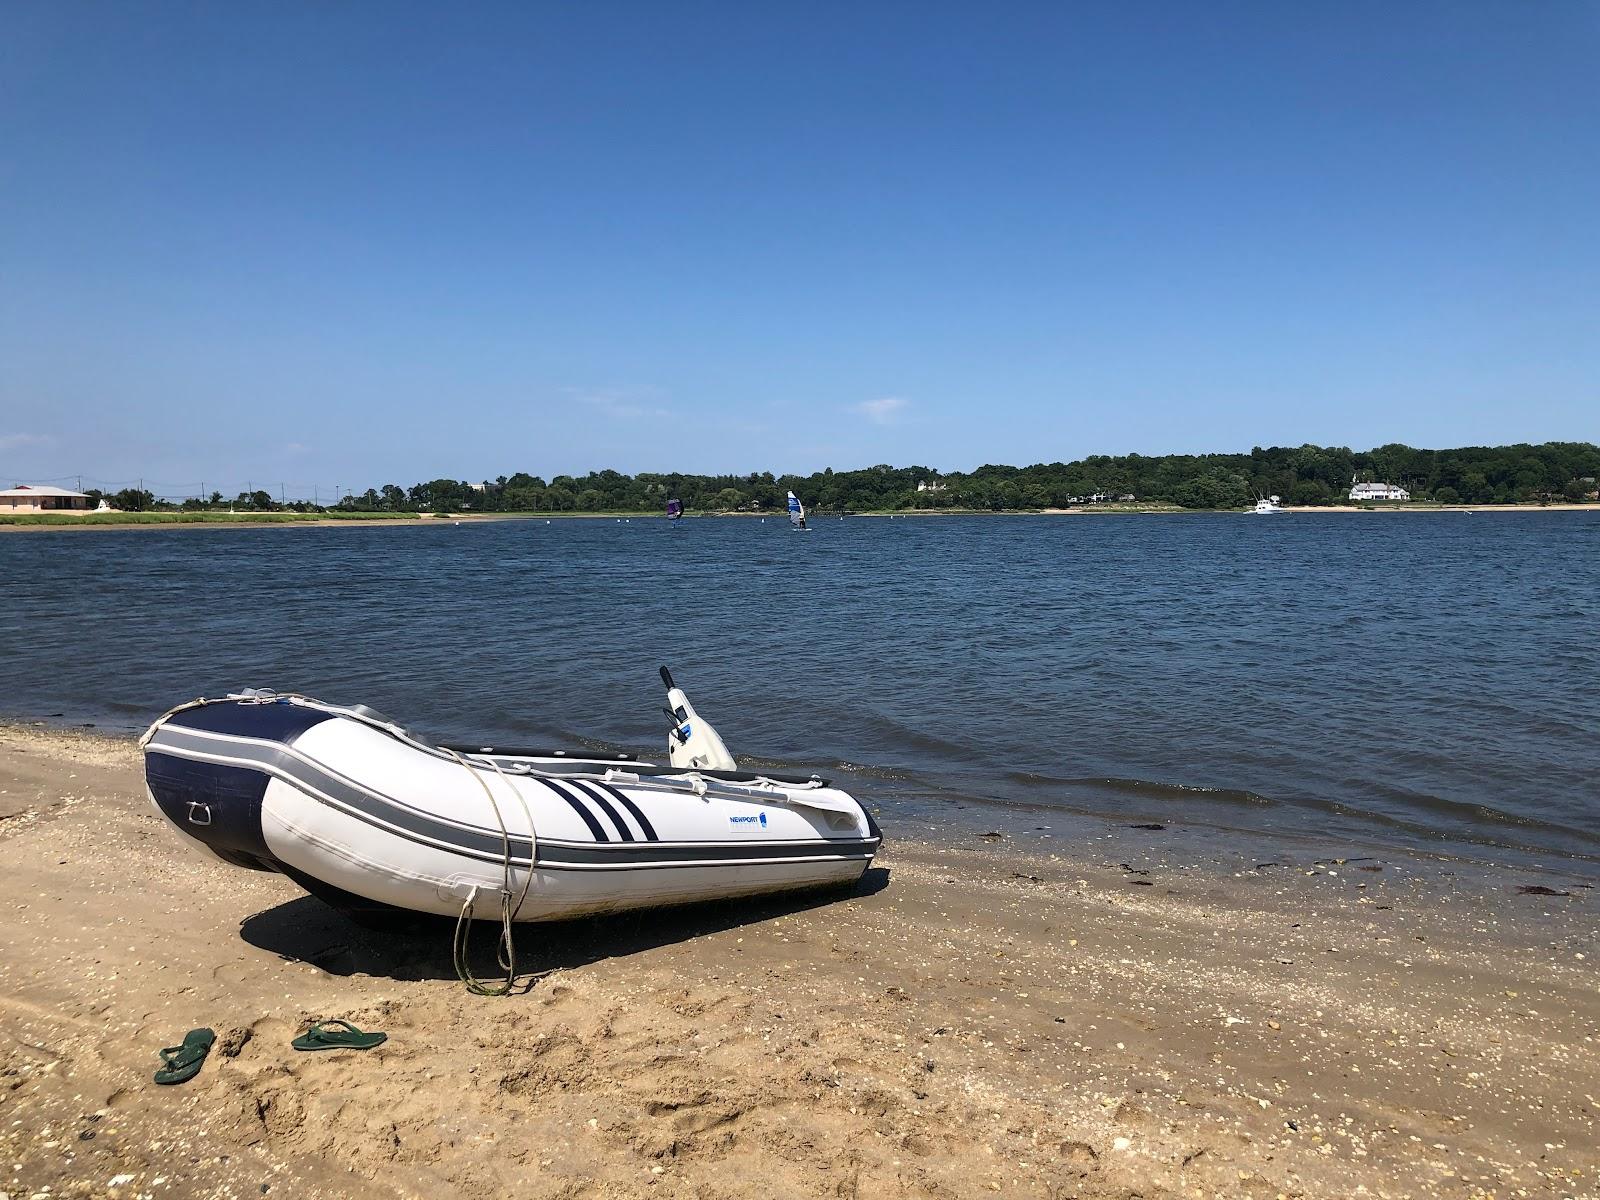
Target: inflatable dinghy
[[367, 816]]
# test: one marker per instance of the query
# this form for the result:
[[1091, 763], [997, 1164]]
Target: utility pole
[[281, 500], [316, 497]]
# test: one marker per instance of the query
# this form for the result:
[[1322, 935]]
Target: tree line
[[1301, 475]]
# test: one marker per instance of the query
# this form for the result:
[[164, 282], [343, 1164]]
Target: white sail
[[797, 512]]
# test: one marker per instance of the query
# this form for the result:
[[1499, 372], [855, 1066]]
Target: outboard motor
[[692, 744]]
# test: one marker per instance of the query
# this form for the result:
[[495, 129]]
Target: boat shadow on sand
[[418, 947]]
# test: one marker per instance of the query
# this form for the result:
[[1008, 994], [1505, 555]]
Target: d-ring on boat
[[366, 815]]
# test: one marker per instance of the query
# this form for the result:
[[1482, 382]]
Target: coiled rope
[[508, 912]]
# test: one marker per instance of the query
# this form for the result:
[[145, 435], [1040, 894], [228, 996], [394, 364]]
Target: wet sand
[[985, 1017]]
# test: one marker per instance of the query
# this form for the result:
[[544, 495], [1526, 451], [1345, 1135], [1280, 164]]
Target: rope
[[248, 696], [507, 949], [144, 739], [509, 912], [533, 836]]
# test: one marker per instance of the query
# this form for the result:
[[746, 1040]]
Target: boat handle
[[204, 808]]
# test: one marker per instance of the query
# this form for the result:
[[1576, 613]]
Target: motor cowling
[[692, 744]]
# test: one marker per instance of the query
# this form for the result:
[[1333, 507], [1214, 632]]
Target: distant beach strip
[[44, 522]]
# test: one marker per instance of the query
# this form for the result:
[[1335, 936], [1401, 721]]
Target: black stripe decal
[[582, 809], [638, 813], [605, 806]]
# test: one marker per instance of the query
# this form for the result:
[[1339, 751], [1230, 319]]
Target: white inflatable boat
[[368, 816]]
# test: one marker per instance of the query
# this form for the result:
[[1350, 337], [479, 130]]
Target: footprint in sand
[[234, 972]]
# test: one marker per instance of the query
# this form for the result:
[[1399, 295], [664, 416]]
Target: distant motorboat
[[1267, 507]]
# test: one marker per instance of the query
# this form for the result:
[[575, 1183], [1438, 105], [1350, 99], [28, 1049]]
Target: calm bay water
[[1422, 679]]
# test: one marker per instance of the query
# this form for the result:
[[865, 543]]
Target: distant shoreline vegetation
[[1552, 472]]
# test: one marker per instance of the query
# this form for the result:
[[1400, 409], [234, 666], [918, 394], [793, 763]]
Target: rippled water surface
[[1425, 679]]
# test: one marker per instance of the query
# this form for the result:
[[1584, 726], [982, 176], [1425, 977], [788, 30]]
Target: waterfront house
[[39, 497], [1378, 491]]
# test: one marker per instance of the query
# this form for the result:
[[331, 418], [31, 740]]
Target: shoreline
[[1198, 833], [286, 521], [297, 521], [1041, 1022]]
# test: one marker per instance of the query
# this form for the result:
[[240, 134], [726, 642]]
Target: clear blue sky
[[352, 243]]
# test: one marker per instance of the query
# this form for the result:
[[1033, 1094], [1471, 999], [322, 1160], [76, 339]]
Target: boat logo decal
[[749, 819]]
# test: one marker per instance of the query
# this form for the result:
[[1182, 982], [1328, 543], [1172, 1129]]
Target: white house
[[1378, 491], [39, 497]]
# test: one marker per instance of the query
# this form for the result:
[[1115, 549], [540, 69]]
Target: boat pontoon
[[367, 815]]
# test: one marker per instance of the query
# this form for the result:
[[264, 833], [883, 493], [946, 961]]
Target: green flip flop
[[183, 1062], [337, 1035]]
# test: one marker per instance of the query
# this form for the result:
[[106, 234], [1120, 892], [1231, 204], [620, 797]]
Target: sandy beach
[[1106, 1018]]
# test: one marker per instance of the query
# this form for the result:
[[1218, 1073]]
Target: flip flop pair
[[183, 1063]]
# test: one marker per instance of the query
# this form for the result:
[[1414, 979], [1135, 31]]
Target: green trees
[[133, 500], [1300, 474], [1217, 488]]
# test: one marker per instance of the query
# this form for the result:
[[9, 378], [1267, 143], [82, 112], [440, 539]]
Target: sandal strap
[[320, 1029]]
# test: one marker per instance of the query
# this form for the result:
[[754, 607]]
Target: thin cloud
[[883, 411], [620, 407], [16, 441]]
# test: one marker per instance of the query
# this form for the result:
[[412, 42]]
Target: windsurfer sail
[[674, 509], [797, 512]]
